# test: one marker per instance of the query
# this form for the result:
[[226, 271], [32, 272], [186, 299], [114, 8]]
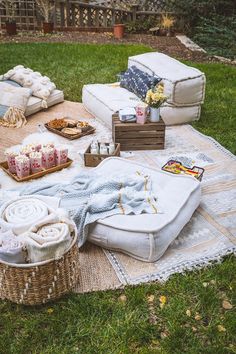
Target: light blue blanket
[[90, 196]]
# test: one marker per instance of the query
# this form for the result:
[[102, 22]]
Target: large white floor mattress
[[147, 236], [184, 85], [103, 101]]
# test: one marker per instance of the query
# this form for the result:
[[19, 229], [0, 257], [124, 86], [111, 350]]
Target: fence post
[[55, 13], [134, 12], [105, 18], [62, 12], [68, 13]]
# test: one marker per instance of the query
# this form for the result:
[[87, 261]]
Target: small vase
[[154, 114]]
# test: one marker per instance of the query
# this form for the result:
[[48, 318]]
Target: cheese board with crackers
[[69, 128]]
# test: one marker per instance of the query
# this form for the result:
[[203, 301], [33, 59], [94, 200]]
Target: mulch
[[168, 45]]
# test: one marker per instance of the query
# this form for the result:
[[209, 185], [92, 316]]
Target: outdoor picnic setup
[[135, 204], [117, 177]]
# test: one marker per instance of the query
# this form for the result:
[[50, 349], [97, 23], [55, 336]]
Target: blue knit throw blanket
[[91, 196]]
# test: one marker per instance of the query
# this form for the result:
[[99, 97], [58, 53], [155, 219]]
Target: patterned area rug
[[210, 234]]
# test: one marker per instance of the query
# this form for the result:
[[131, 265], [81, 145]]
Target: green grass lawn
[[129, 321]]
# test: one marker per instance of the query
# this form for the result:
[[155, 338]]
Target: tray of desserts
[[33, 161], [69, 128]]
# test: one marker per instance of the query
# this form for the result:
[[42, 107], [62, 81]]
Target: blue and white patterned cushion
[[137, 81]]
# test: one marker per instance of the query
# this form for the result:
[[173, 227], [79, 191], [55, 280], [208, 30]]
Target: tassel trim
[[14, 118], [44, 104]]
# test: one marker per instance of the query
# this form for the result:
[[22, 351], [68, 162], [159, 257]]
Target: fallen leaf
[[188, 313], [122, 298], [221, 328], [213, 282], [150, 298], [198, 317], [164, 334], [156, 342], [226, 305], [205, 284], [194, 329], [50, 310]]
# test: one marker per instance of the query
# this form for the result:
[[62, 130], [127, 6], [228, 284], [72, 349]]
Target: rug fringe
[[14, 118]]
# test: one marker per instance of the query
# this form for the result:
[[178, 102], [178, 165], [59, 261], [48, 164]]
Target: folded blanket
[[13, 102], [48, 239], [21, 213], [12, 249], [90, 196]]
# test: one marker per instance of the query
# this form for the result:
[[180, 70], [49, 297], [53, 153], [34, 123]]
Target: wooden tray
[[70, 137], [44, 172]]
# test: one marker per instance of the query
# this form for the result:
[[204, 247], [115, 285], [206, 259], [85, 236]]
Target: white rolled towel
[[12, 249], [49, 239], [21, 213]]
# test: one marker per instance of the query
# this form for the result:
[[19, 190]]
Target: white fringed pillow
[[41, 86], [13, 102]]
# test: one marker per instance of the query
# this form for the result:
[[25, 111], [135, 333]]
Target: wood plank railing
[[73, 14]]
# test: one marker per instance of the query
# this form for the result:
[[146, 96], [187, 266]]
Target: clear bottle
[[94, 148], [103, 149], [111, 148]]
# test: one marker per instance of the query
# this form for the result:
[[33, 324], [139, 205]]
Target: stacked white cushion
[[34, 104], [147, 236], [184, 85], [103, 101]]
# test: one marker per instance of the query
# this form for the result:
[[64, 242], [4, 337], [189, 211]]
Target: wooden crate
[[93, 160], [133, 136]]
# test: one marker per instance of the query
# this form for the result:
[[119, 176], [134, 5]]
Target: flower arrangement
[[155, 96]]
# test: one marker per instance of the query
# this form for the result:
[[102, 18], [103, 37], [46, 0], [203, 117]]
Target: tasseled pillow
[[13, 102]]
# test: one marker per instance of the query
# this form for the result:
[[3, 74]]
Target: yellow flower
[[50, 311], [162, 300]]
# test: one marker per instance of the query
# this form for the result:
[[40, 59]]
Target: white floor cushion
[[35, 104], [147, 236], [184, 85], [104, 100]]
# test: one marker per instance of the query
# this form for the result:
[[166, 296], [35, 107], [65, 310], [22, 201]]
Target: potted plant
[[167, 23], [155, 98], [10, 12], [45, 9], [119, 30]]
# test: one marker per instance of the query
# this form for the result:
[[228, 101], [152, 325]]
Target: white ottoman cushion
[[147, 236], [104, 100], [183, 84], [34, 104]]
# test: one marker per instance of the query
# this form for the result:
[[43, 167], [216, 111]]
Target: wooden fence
[[72, 14]]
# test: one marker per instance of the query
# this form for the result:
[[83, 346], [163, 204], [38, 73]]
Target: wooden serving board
[[70, 137], [42, 173]]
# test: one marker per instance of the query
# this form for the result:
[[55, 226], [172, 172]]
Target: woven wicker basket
[[38, 283]]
